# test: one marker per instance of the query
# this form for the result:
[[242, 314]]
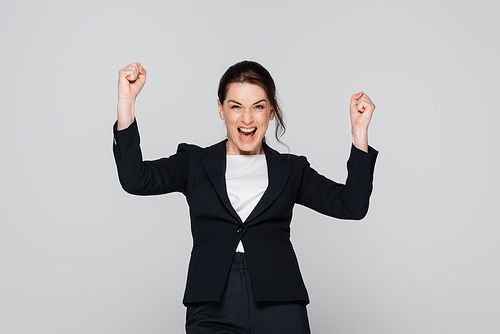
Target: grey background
[[79, 255]]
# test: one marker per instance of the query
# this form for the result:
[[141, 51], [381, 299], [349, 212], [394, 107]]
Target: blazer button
[[241, 229]]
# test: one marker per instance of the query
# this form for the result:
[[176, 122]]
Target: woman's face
[[247, 112]]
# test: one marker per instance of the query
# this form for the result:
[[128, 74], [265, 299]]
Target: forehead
[[245, 92]]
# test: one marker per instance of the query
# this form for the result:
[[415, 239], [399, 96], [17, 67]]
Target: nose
[[247, 117]]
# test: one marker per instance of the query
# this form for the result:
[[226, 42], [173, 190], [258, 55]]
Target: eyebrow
[[263, 100]]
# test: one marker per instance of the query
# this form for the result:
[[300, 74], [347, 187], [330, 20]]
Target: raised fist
[[131, 79]]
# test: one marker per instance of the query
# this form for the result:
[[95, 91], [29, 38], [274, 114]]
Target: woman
[[243, 275]]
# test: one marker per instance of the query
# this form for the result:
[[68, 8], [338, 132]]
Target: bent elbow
[[360, 215], [132, 188], [357, 212]]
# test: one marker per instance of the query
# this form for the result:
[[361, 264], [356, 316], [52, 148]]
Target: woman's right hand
[[131, 79]]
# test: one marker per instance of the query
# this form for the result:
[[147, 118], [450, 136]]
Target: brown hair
[[254, 73]]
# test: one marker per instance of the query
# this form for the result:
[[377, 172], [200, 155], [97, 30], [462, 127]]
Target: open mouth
[[247, 134]]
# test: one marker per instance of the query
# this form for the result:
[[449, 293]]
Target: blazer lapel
[[278, 170], [214, 162]]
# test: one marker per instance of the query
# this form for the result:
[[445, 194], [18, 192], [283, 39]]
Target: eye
[[259, 106], [234, 106]]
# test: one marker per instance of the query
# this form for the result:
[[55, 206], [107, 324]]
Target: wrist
[[360, 138], [125, 113], [126, 100], [123, 123], [359, 130]]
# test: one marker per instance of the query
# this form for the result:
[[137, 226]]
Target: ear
[[271, 114], [221, 110]]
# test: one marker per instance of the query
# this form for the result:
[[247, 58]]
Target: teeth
[[247, 130]]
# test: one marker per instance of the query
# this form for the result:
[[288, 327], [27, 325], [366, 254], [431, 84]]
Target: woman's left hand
[[361, 108]]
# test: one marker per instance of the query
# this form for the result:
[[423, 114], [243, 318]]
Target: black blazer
[[199, 173]]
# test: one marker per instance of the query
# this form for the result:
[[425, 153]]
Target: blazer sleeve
[[140, 177], [349, 201]]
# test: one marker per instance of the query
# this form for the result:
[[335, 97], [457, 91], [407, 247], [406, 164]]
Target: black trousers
[[238, 313]]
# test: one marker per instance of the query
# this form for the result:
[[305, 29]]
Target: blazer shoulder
[[297, 160], [185, 147], [192, 149]]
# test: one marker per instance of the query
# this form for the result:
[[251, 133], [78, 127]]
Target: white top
[[246, 182]]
